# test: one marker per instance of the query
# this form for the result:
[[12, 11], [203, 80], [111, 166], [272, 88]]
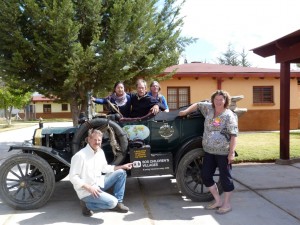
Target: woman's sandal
[[222, 211], [212, 206]]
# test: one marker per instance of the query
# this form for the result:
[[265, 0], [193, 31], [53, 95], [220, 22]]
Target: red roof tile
[[216, 68], [40, 98], [206, 69]]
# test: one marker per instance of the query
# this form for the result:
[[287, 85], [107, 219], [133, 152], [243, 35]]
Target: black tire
[[79, 139], [26, 181], [188, 177]]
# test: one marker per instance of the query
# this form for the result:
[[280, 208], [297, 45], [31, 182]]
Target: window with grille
[[263, 94], [64, 107], [178, 97], [47, 108]]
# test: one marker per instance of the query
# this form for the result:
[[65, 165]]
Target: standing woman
[[154, 92], [118, 97], [219, 142]]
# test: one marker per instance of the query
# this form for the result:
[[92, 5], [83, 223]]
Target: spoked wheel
[[189, 179], [26, 181]]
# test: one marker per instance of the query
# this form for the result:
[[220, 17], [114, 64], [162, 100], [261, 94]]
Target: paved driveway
[[18, 136]]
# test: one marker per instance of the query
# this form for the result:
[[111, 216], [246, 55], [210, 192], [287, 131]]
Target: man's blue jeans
[[117, 180]]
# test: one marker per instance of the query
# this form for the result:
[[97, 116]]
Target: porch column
[[285, 110]]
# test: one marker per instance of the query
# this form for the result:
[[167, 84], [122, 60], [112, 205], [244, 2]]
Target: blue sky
[[246, 24]]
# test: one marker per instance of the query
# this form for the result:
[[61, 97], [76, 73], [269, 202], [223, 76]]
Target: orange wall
[[203, 88], [264, 120], [264, 117], [200, 89]]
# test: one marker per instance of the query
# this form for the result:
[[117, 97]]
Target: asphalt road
[[18, 136]]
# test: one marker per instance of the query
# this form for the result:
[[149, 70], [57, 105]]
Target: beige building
[[46, 108], [194, 82], [260, 87]]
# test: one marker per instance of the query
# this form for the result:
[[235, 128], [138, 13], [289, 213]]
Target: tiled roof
[[206, 69], [41, 98], [216, 68]]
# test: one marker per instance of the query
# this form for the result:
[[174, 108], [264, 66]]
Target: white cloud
[[246, 24]]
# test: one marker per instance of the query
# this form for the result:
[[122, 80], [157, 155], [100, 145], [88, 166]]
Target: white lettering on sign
[[150, 164], [159, 160], [153, 162]]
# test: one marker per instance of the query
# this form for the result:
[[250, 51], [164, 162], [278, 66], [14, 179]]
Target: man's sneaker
[[120, 207], [85, 210]]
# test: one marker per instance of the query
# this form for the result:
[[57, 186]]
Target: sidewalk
[[266, 194]]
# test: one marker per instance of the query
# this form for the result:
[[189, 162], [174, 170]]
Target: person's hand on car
[[155, 109]]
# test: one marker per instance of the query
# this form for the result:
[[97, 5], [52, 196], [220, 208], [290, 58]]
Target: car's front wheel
[[189, 180], [27, 181]]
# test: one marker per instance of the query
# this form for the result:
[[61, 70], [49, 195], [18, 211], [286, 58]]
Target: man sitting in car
[[142, 103]]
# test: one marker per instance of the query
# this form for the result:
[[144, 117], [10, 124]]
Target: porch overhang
[[286, 51]]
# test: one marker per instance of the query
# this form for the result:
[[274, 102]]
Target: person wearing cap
[[154, 92]]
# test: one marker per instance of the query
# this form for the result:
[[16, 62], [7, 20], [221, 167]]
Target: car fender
[[43, 152]]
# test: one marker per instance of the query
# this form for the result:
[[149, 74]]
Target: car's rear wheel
[[26, 181], [189, 180]]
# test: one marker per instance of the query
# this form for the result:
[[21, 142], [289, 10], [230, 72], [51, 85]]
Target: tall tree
[[244, 61], [233, 58], [66, 48], [230, 57]]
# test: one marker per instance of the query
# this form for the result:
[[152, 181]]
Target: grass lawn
[[264, 146]]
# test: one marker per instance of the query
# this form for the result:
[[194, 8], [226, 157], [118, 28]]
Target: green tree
[[231, 57], [244, 61], [67, 48], [12, 98]]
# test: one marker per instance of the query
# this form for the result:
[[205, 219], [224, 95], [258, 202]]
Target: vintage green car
[[164, 144]]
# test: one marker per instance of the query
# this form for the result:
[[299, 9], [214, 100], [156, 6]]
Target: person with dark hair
[[154, 92], [219, 142], [86, 174], [118, 97], [142, 103]]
